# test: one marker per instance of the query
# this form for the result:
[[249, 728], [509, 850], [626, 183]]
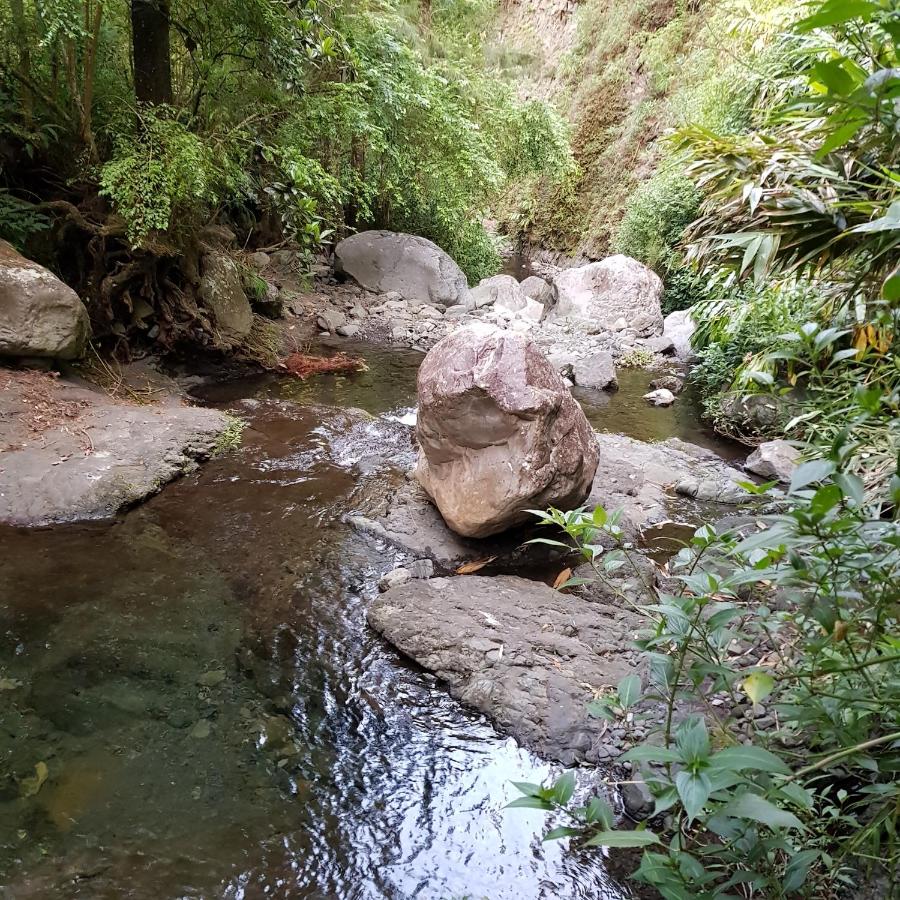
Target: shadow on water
[[197, 685]]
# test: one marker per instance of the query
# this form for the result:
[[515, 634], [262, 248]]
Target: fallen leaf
[[562, 578], [474, 566], [30, 786]]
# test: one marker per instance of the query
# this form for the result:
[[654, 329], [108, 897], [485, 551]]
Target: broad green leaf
[[692, 740], [810, 472], [742, 758], [530, 803], [796, 870], [564, 788], [622, 839], [599, 811], [890, 290], [840, 136], [758, 809], [528, 789], [650, 753], [554, 834], [629, 690], [600, 709], [837, 12], [758, 685], [694, 790], [852, 486], [825, 500]]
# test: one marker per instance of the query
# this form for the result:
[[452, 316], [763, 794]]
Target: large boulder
[[679, 327], [498, 432], [537, 288], [222, 293], [416, 268], [597, 371], [39, 315], [500, 291], [774, 459], [603, 293]]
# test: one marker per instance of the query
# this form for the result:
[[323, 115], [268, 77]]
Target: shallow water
[[215, 718]]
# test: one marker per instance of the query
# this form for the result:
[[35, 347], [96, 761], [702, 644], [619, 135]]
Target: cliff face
[[612, 67]]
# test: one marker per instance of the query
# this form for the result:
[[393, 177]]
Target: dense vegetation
[[128, 128]]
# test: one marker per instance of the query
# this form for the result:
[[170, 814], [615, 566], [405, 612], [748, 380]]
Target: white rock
[[660, 397], [774, 459]]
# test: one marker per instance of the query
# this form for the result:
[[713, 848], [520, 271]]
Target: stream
[[193, 705]]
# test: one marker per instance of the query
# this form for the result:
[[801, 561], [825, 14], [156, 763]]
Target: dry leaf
[[474, 566], [562, 578]]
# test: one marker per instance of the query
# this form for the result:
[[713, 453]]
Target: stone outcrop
[[527, 656], [537, 288], [499, 433], [601, 294], [500, 291], [597, 372], [93, 455], [774, 459], [39, 314], [414, 267], [679, 327], [222, 293]]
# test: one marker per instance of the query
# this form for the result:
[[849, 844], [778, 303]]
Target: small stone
[[260, 260], [201, 730], [348, 331], [664, 345], [212, 678], [637, 799], [358, 312], [668, 382], [394, 578], [774, 459], [661, 397], [330, 320]]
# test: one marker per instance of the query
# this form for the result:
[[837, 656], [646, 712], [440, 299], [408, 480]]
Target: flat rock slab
[[527, 656], [646, 481], [68, 453]]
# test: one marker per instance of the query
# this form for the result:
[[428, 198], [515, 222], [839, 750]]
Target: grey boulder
[[39, 314], [660, 397], [222, 293], [414, 267], [598, 372], [500, 291], [679, 327], [774, 459], [498, 432], [537, 288], [602, 294]]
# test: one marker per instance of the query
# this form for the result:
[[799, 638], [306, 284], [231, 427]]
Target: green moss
[[230, 437]]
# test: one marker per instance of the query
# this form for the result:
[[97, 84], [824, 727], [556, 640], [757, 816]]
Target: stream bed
[[192, 705]]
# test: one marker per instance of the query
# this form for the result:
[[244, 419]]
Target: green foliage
[[796, 803], [656, 216], [19, 220], [161, 176]]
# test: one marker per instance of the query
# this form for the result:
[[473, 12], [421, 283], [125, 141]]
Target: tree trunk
[[425, 15], [150, 42]]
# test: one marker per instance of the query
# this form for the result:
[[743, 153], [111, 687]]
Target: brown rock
[[499, 433]]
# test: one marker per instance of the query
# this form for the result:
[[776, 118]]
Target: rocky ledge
[[70, 452], [529, 657]]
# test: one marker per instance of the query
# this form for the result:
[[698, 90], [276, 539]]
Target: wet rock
[[598, 371], [660, 397], [757, 412], [604, 292], [529, 657], [679, 327], [421, 568], [330, 320], [498, 432], [105, 457], [774, 459], [640, 478], [537, 288], [414, 267], [39, 315], [222, 293], [348, 331], [271, 305], [669, 383], [637, 799]]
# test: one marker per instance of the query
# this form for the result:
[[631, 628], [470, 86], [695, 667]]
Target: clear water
[[214, 716]]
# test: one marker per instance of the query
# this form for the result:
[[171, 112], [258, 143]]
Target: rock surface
[[222, 293], [679, 328], [660, 397], [597, 372], [88, 455], [537, 288], [604, 292], [502, 292], [646, 481], [774, 459], [39, 314], [529, 657], [498, 432], [414, 267]]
